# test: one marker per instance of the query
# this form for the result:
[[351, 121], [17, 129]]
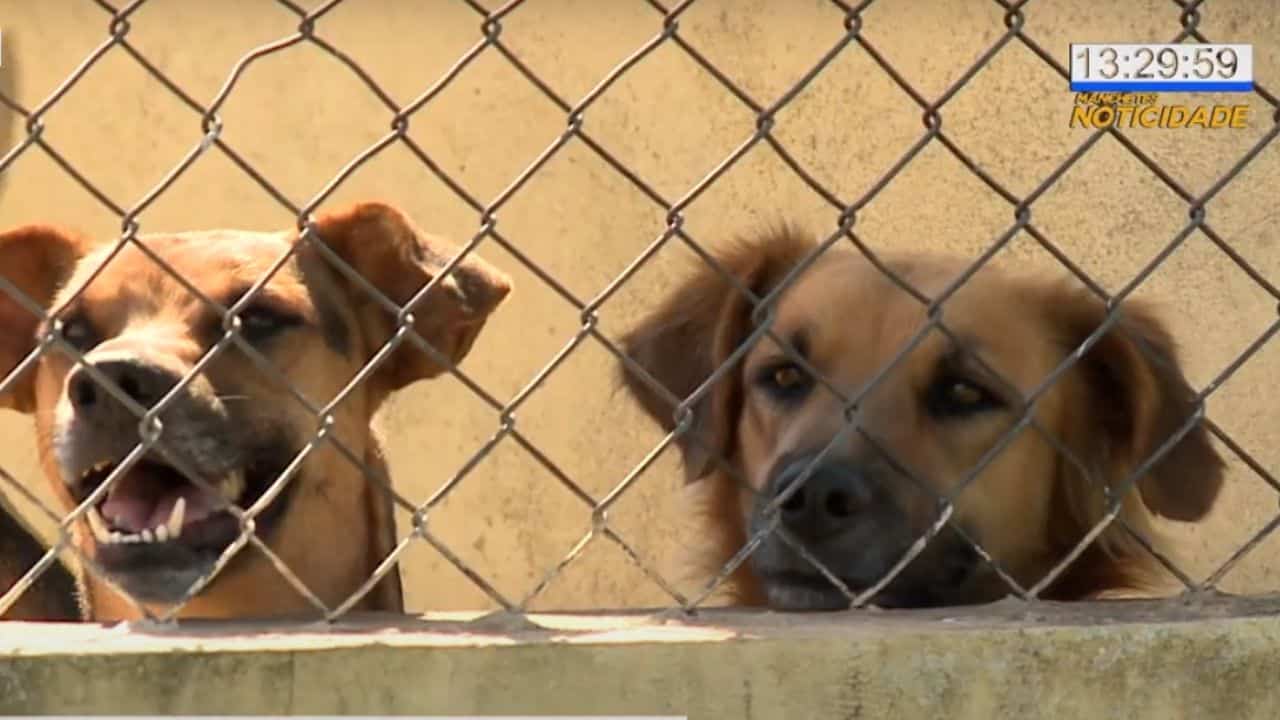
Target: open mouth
[[157, 532], [153, 503]]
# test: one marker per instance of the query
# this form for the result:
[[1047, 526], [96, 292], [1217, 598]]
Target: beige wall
[[299, 116]]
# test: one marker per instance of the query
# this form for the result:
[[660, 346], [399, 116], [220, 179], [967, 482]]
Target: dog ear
[[1138, 400], [694, 331], [394, 256], [37, 259]]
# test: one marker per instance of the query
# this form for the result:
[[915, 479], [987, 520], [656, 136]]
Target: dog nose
[[828, 501], [142, 382]]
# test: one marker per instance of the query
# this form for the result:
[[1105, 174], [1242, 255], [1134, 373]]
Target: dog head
[[251, 411], [876, 416]]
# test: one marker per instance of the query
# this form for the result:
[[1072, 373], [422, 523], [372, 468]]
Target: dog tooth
[[232, 487], [146, 536], [174, 525], [162, 533], [116, 537], [98, 526], [101, 466]]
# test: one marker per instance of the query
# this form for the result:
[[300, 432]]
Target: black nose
[[142, 382], [829, 500]]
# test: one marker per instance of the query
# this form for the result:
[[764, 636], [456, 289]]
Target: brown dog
[[237, 425], [52, 595], [927, 423]]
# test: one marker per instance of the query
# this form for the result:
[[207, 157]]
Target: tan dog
[[52, 596], [922, 428], [237, 425]]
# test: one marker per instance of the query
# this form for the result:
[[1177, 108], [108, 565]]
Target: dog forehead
[[213, 261], [848, 308], [843, 295], [235, 252]]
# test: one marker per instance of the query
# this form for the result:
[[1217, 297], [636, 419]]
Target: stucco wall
[[299, 116]]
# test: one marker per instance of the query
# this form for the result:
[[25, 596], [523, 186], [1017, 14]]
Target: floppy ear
[[398, 259], [694, 331], [1138, 400], [37, 259]]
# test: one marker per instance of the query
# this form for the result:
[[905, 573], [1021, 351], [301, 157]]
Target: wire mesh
[[844, 233]]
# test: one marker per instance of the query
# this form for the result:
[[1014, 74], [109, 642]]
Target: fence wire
[[845, 210]]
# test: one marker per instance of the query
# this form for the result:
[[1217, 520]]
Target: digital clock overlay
[[1176, 67]]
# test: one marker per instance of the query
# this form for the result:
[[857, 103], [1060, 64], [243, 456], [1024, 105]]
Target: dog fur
[[236, 425], [51, 597], [929, 420]]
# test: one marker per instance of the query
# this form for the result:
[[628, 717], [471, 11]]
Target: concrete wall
[[1001, 663], [299, 116]]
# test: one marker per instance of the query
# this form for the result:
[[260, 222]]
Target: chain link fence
[[1184, 19]]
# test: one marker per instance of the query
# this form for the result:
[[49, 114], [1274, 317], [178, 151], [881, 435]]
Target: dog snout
[[829, 500], [143, 382]]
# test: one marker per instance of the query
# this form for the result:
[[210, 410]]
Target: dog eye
[[78, 333], [258, 322], [786, 381], [957, 397]]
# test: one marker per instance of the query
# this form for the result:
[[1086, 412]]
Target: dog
[[230, 432], [51, 597], [913, 435]]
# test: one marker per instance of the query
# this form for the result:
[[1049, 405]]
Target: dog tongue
[[144, 499]]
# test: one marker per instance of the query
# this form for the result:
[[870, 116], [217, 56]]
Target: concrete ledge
[[1213, 657]]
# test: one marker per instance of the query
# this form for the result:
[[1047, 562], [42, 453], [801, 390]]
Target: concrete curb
[[1114, 660]]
